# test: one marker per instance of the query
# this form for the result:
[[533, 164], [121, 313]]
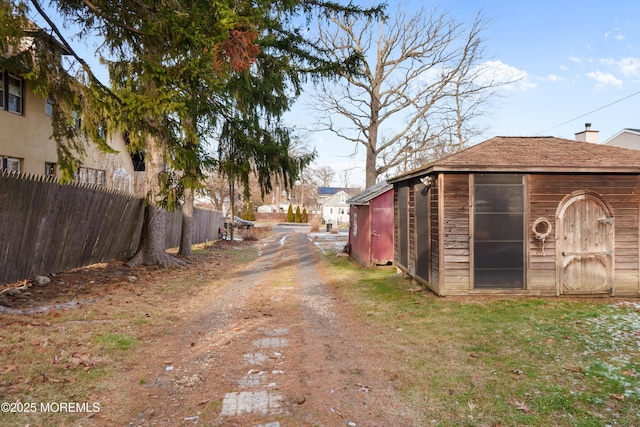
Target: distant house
[[332, 206], [26, 145], [335, 210], [522, 216], [371, 225], [626, 138]]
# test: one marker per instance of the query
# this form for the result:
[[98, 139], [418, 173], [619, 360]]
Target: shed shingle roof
[[535, 154]]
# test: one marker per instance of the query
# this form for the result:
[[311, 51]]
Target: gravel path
[[276, 346]]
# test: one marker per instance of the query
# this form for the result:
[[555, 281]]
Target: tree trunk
[[151, 250], [232, 208], [371, 175], [186, 237]]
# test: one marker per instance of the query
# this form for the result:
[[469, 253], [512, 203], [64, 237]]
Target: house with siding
[[332, 203], [522, 216], [626, 138]]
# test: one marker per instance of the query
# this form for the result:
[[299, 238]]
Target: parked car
[[238, 223]]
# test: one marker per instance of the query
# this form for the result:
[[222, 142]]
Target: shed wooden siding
[[434, 200], [361, 243], [456, 274], [546, 192]]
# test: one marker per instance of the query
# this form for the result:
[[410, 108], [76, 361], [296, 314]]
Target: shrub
[[305, 219], [252, 234], [290, 213], [298, 217], [315, 225]]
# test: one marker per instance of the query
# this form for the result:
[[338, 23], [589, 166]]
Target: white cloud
[[620, 37], [575, 59], [630, 67], [604, 79], [500, 73], [553, 78], [563, 67]]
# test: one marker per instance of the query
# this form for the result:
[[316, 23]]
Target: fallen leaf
[[629, 373], [521, 406], [617, 396]]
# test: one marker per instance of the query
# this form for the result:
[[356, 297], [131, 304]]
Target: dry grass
[[315, 225], [76, 355], [253, 234]]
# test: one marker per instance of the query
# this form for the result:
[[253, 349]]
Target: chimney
[[587, 135]]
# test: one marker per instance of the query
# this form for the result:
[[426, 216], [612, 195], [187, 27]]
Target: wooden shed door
[[585, 247]]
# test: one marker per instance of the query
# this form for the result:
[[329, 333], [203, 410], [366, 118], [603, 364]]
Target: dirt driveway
[[275, 346]]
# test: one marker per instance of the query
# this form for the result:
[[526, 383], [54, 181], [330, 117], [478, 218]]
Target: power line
[[590, 112]]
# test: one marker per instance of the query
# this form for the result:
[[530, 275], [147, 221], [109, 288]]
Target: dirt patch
[[266, 342]]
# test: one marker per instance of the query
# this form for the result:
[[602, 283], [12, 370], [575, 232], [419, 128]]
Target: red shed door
[[585, 247], [382, 235]]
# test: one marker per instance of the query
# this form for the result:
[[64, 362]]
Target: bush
[[290, 213], [298, 216], [315, 225], [252, 234], [305, 218]]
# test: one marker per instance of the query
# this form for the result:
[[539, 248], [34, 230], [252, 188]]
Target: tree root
[[46, 308], [163, 260]]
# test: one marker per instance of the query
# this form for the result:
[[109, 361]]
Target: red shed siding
[[381, 223], [361, 242]]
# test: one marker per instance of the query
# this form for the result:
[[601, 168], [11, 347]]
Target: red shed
[[371, 233]]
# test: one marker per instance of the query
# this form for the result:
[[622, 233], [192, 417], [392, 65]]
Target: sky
[[579, 62]]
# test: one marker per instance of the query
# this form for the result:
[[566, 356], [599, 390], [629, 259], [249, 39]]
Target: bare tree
[[324, 175], [345, 178], [419, 89]]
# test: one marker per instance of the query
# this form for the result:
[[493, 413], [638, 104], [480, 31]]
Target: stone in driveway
[[247, 402]]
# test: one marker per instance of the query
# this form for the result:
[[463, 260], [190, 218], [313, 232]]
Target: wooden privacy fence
[[206, 227], [46, 227]]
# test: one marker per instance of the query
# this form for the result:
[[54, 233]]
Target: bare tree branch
[[422, 84]]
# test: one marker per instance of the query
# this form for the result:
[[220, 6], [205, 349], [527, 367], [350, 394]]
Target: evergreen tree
[[305, 219], [290, 213], [181, 69], [298, 216]]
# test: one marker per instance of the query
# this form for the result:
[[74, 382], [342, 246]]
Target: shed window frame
[[499, 235]]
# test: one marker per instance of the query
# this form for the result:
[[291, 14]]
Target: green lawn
[[503, 362]]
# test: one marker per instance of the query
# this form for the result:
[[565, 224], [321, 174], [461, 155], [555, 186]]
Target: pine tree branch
[[66, 45]]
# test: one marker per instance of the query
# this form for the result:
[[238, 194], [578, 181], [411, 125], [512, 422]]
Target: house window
[[14, 94], [48, 108], [499, 231], [49, 169], [11, 97], [10, 163], [91, 176], [77, 121]]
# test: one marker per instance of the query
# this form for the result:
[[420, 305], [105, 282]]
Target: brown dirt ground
[[329, 374]]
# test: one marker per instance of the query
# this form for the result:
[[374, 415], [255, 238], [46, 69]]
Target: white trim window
[[92, 176], [10, 163], [14, 94]]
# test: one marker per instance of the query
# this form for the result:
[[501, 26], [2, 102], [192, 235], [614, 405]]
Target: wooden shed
[[371, 225], [522, 215]]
